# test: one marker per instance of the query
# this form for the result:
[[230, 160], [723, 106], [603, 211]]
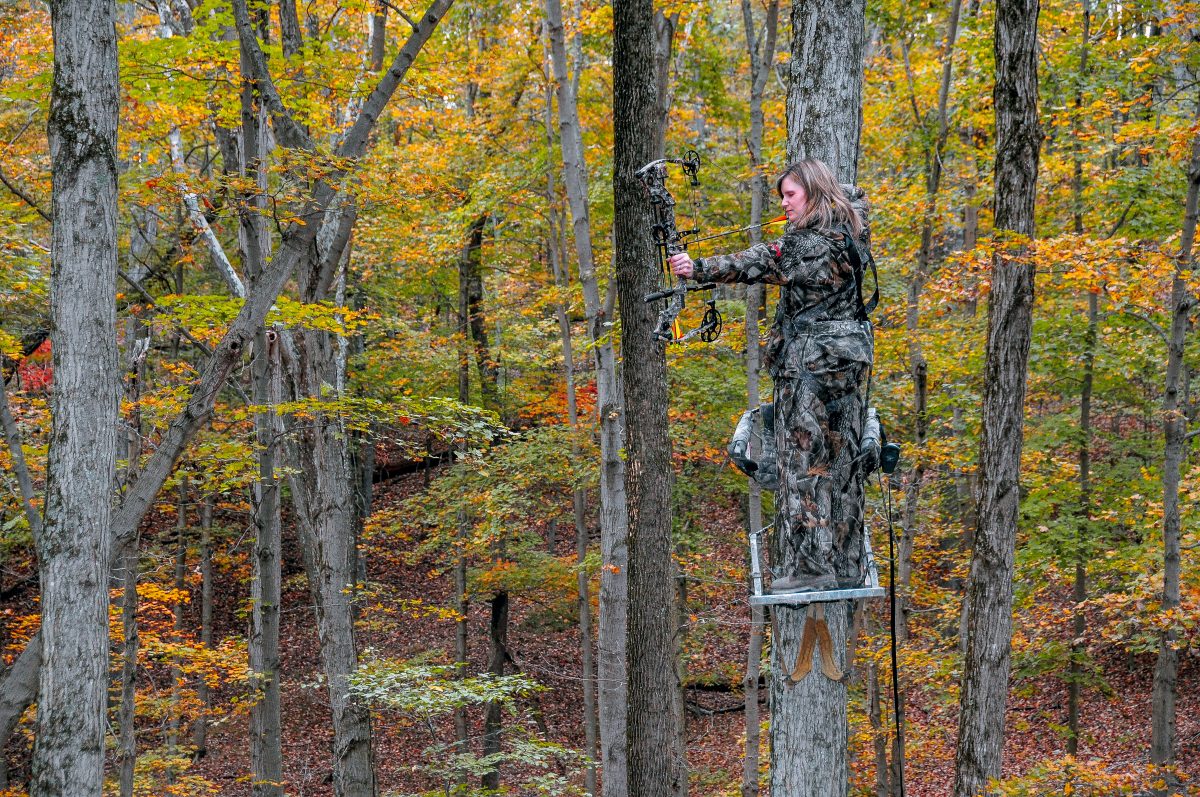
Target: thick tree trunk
[[323, 492], [74, 547], [614, 513], [809, 726], [824, 103], [655, 739], [1174, 424], [980, 746]]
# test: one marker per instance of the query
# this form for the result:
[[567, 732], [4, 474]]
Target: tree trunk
[[73, 549], [127, 723], [462, 628], [980, 746], [824, 102], [137, 336], [809, 726], [323, 492], [200, 727], [1083, 527], [174, 711], [654, 737], [266, 736], [470, 274], [614, 513], [1175, 422], [762, 56], [557, 255], [497, 650]]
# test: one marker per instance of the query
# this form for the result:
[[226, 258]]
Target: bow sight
[[670, 240]]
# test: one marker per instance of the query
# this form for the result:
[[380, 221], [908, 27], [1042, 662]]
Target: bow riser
[[670, 241]]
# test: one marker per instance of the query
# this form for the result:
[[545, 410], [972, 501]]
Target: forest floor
[[1115, 741], [1114, 744]]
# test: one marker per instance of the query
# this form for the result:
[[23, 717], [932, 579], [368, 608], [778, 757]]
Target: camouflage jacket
[[816, 330]]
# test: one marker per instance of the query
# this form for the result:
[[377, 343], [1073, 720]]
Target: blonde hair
[[826, 205]]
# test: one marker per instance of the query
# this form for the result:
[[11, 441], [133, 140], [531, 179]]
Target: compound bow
[[670, 240]]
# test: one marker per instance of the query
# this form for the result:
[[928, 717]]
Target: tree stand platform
[[869, 589]]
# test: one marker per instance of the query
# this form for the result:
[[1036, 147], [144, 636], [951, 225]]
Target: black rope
[[897, 706]]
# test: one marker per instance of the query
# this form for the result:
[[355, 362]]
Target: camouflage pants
[[819, 504]]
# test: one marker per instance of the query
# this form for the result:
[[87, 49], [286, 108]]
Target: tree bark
[[761, 53], [497, 651], [556, 252], [980, 747], [1174, 424], [127, 722], [73, 549], [323, 493], [809, 726], [614, 513], [824, 103], [174, 714], [470, 274], [1083, 527], [200, 727], [266, 729], [654, 736]]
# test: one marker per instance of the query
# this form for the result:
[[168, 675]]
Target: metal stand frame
[[870, 588]]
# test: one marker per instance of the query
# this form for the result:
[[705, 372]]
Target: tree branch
[[21, 195], [289, 133], [12, 436], [200, 221]]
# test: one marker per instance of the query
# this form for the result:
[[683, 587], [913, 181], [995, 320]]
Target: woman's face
[[792, 198]]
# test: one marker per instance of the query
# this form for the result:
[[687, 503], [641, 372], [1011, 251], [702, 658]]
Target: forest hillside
[[362, 356]]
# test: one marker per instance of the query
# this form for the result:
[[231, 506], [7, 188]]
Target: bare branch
[[200, 221], [1121, 221], [21, 195]]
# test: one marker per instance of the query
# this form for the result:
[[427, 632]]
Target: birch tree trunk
[[654, 736], [809, 726], [73, 549], [614, 512], [980, 747]]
